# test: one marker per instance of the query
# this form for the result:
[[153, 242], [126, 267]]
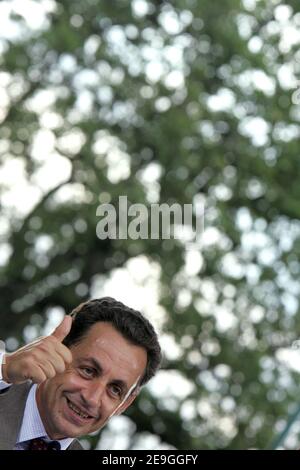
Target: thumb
[[63, 329]]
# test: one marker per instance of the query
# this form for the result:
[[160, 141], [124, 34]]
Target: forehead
[[114, 352]]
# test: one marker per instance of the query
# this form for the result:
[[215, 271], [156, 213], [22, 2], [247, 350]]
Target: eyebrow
[[96, 364]]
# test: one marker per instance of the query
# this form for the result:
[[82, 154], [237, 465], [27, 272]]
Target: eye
[[116, 391], [87, 371]]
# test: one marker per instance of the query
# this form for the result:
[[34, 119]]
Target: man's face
[[105, 368]]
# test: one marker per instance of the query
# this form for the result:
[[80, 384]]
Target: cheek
[[71, 378], [67, 381]]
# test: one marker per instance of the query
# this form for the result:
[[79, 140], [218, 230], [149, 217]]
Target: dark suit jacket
[[12, 406]]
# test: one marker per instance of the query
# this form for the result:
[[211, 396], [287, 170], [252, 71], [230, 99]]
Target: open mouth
[[78, 412]]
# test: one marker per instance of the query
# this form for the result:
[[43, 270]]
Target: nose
[[92, 395]]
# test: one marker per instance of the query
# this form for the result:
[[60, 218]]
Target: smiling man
[[72, 382]]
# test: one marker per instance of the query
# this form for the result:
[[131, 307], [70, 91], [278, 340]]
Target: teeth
[[77, 411]]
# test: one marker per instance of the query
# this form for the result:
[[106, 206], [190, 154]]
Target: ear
[[128, 402]]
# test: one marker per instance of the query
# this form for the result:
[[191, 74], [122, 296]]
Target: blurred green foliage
[[199, 93]]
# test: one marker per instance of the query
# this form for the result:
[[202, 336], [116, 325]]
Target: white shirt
[[32, 426]]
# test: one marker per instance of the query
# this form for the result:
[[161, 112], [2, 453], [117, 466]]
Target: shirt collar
[[32, 425]]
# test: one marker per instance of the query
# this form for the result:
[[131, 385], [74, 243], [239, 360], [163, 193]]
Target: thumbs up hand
[[63, 329], [40, 360]]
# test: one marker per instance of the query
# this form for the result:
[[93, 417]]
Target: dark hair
[[130, 323]]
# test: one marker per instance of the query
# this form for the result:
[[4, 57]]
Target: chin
[[64, 429]]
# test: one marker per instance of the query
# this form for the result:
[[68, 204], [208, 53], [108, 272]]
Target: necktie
[[40, 444]]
